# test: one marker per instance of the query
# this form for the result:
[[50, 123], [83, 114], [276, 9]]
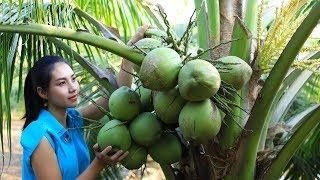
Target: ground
[[13, 171]]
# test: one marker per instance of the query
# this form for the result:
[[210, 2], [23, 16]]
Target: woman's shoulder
[[33, 133], [35, 127]]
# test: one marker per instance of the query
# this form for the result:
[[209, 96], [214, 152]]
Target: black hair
[[38, 76]]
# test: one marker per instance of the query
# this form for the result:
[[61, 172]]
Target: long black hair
[[38, 76]]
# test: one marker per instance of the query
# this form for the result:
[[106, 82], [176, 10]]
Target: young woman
[[52, 137]]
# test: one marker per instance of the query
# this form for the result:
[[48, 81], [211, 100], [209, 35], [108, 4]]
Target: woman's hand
[[103, 159], [139, 34], [124, 77]]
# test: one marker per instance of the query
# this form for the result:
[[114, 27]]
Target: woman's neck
[[60, 114]]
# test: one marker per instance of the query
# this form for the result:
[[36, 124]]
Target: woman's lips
[[73, 98]]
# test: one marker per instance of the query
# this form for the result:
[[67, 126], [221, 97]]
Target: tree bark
[[228, 10]]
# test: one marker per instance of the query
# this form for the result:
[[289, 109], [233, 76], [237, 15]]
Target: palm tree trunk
[[226, 25]]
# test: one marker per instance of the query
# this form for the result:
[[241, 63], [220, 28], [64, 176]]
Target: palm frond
[[279, 163], [311, 90], [125, 15], [305, 164], [287, 98], [287, 95]]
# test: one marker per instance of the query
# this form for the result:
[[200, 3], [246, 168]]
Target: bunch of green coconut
[[171, 105]]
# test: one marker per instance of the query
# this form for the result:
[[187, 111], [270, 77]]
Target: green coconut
[[145, 129], [145, 98], [234, 71], [104, 120], [114, 133], [198, 80], [160, 68], [94, 129], [167, 150], [200, 121], [156, 33], [136, 158], [168, 105], [124, 104], [146, 45]]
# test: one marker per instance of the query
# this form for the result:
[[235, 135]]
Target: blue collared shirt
[[69, 145]]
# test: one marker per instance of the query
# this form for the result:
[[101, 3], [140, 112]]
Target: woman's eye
[[74, 79], [62, 83]]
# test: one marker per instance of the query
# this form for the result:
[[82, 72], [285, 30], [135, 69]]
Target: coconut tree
[[256, 140]]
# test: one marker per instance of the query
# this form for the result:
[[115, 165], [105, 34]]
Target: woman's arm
[[44, 162], [49, 169], [123, 79], [92, 112]]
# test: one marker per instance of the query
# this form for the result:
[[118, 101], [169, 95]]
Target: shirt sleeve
[[30, 139]]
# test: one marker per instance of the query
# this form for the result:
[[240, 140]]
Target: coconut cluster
[[182, 90], [136, 128], [171, 105]]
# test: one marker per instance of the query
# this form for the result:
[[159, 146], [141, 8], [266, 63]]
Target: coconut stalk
[[213, 22], [202, 25], [277, 166], [244, 167], [242, 36], [83, 37], [250, 21], [250, 17]]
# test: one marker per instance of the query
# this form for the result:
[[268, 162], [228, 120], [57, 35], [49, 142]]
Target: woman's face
[[63, 88]]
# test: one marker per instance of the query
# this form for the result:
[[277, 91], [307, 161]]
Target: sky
[[179, 11]]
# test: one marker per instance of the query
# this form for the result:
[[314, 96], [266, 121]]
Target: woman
[[52, 137]]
